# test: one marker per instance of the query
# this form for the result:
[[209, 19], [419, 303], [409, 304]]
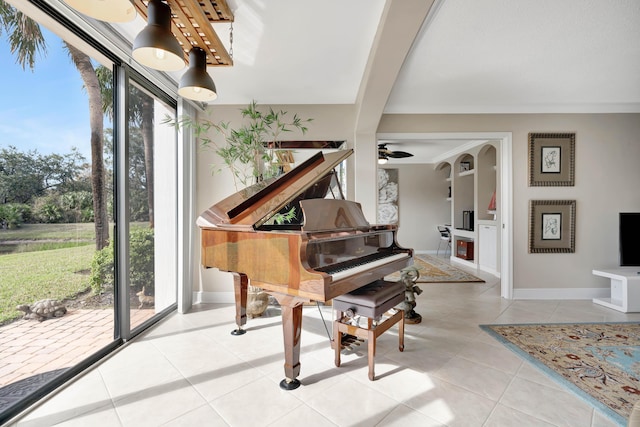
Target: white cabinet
[[487, 255], [625, 289]]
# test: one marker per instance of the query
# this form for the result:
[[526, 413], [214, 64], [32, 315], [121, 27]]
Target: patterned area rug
[[600, 362], [436, 270]]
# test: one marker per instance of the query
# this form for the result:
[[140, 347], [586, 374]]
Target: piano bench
[[372, 302]]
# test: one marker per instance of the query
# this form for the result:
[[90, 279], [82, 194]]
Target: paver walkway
[[29, 347]]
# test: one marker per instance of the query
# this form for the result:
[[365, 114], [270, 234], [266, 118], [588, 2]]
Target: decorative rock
[[257, 302], [43, 310]]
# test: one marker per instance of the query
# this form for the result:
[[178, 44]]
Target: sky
[[45, 110]]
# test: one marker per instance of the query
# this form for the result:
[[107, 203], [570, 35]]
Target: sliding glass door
[[88, 205], [152, 198], [56, 215]]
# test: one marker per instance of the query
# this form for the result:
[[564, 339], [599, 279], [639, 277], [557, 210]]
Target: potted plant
[[251, 154], [250, 150]]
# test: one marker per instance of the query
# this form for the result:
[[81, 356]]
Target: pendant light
[[196, 83], [155, 46], [105, 10]]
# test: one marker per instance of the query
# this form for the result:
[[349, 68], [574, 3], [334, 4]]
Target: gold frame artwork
[[552, 226], [552, 159]]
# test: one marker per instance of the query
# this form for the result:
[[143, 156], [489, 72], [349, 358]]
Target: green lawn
[[39, 261], [31, 276], [76, 231]]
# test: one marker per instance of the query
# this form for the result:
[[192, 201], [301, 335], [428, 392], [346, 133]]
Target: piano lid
[[254, 205]]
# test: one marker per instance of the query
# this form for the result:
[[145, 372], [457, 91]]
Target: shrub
[[87, 215], [12, 215], [141, 256], [70, 207], [47, 209], [101, 278], [50, 213], [141, 263], [77, 206]]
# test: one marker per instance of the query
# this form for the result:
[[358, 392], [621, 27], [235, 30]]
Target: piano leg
[[291, 329], [240, 284]]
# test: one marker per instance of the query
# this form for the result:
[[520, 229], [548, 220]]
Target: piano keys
[[329, 250]]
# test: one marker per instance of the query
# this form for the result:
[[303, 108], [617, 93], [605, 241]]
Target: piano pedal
[[348, 342]]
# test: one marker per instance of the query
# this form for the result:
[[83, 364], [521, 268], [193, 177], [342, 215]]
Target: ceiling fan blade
[[384, 151], [399, 154]]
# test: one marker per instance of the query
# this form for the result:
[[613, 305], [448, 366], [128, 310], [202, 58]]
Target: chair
[[371, 302], [445, 236]]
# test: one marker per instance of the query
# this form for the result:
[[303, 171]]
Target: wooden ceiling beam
[[202, 25], [217, 11], [191, 24]]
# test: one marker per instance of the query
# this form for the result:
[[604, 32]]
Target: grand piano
[[327, 250]]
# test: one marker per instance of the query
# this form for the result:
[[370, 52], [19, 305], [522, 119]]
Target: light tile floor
[[188, 370]]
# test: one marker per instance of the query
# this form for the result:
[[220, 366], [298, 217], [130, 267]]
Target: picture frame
[[552, 159], [552, 226]]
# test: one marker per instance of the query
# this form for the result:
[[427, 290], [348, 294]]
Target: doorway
[[452, 143]]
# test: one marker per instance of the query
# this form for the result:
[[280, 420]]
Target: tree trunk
[[92, 86], [147, 140]]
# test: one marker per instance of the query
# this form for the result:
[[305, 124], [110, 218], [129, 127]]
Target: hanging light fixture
[[155, 46], [105, 10], [196, 83], [382, 159]]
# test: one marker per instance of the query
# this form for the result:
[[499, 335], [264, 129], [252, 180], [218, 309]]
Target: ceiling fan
[[384, 154]]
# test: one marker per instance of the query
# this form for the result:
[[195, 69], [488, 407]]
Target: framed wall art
[[552, 226], [552, 159]]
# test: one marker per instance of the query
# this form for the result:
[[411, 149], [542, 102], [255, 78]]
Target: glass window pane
[[56, 260], [152, 206]]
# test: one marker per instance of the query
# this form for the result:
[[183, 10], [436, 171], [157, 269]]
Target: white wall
[[607, 178], [422, 206], [606, 182]]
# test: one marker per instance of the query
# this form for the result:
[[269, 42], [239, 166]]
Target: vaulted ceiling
[[442, 56], [490, 56]]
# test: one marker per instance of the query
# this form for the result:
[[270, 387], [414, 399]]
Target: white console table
[[625, 289]]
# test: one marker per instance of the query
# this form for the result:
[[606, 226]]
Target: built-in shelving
[[472, 179], [444, 170]]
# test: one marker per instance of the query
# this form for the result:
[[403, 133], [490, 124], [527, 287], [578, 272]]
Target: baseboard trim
[[203, 297], [490, 271], [562, 293]]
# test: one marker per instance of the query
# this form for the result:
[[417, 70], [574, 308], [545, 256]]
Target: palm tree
[[146, 123], [96, 120], [140, 115], [26, 40], [25, 37]]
